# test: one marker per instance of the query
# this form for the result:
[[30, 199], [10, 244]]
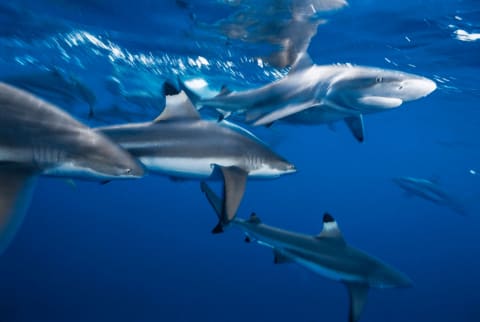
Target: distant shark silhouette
[[56, 87], [326, 254], [179, 144], [430, 190], [37, 138], [312, 94]]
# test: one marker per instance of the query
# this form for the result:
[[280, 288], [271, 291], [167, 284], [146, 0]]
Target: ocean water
[[141, 250]]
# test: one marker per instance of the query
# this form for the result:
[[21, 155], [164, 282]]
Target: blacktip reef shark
[[430, 190], [314, 94], [37, 138], [179, 144], [326, 254]]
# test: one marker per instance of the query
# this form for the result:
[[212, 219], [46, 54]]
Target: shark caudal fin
[[358, 297], [234, 181], [15, 193]]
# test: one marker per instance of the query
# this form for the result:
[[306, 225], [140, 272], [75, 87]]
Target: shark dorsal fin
[[302, 62], [178, 107], [254, 219], [224, 91], [330, 229]]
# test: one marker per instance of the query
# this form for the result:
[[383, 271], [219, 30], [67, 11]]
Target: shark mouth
[[380, 101]]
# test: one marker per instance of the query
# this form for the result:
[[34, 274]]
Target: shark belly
[[188, 167], [333, 274]]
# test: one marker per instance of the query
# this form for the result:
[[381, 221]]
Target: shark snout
[[136, 171], [415, 88], [132, 169], [290, 168]]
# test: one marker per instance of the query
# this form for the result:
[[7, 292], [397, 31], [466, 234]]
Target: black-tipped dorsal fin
[[358, 297], [178, 107], [254, 219], [355, 124], [224, 91], [302, 62], [169, 88], [330, 228]]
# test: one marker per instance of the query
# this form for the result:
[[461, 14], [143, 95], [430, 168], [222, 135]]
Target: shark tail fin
[[15, 194], [358, 297]]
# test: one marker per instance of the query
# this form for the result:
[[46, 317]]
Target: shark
[[55, 86], [327, 254], [321, 94], [37, 138], [430, 190], [182, 145]]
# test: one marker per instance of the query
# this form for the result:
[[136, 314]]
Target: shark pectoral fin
[[280, 258], [15, 194], [355, 124], [358, 297], [235, 180], [282, 113], [178, 107], [215, 201]]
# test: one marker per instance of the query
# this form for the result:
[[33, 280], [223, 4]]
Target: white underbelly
[[184, 167], [325, 271]]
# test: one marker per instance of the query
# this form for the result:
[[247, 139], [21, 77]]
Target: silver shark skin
[[37, 138], [313, 94], [181, 145], [430, 190], [326, 254]]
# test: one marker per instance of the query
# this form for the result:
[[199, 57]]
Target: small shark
[[430, 190], [37, 138], [179, 144], [313, 94], [327, 254], [55, 86]]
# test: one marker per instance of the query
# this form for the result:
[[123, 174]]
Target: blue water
[[142, 250]]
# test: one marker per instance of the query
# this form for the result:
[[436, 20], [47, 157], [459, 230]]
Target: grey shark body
[[181, 145], [326, 254], [37, 138], [313, 94], [430, 190]]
